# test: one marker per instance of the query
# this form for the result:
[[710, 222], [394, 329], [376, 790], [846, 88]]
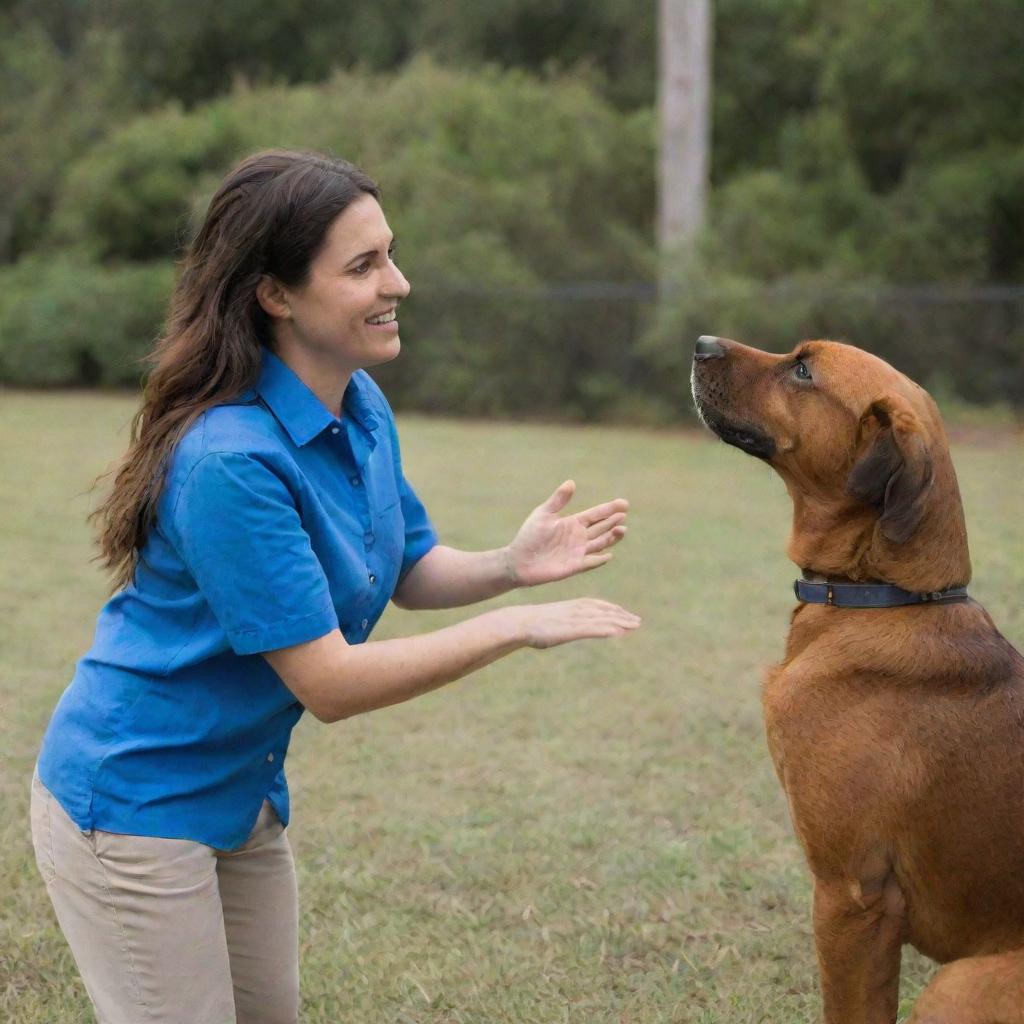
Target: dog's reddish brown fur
[[897, 734]]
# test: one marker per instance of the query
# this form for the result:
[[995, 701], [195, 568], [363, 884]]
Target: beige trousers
[[170, 930]]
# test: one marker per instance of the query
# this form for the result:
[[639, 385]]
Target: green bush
[[959, 221], [54, 105], [917, 82], [503, 189], [538, 178], [494, 183], [69, 324], [128, 198], [956, 221]]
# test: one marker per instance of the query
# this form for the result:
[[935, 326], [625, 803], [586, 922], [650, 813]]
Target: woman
[[258, 526]]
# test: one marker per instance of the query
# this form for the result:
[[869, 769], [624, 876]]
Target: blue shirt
[[277, 524]]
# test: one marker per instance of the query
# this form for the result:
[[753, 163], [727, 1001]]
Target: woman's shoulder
[[244, 427]]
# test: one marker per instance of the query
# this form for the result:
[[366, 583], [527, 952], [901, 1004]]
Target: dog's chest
[[834, 748]]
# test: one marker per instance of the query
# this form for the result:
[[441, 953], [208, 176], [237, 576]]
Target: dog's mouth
[[709, 392], [745, 436]]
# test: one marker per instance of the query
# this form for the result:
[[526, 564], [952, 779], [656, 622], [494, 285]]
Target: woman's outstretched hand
[[550, 546], [561, 622]]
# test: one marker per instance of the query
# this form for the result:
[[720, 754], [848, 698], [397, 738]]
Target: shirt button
[[366, 622], [354, 481], [368, 539], [335, 430], [270, 758], [373, 579]]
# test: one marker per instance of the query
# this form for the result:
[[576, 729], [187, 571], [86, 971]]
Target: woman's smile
[[386, 321]]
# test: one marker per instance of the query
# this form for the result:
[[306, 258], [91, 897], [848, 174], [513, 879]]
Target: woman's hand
[[552, 547], [561, 622]]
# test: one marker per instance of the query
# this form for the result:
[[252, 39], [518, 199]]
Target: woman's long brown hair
[[270, 215]]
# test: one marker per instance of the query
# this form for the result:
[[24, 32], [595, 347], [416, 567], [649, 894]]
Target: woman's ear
[[272, 298], [894, 470]]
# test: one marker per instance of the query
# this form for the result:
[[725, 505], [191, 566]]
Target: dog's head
[[860, 447]]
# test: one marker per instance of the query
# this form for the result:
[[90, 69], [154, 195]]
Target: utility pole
[[684, 100]]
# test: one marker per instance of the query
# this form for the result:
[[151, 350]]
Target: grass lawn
[[590, 834]]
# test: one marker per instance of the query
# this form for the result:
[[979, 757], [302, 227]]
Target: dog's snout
[[708, 347]]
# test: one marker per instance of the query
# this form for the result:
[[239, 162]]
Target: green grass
[[590, 834]]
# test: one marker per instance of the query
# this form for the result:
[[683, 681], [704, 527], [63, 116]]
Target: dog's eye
[[801, 370]]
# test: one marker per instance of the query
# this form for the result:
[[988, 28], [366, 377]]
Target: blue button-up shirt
[[277, 524]]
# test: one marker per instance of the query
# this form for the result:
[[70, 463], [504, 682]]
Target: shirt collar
[[298, 410], [357, 404]]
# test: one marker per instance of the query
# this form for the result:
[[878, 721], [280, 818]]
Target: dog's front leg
[[859, 937]]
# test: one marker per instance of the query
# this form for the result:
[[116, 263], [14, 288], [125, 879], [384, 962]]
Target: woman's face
[[345, 313]]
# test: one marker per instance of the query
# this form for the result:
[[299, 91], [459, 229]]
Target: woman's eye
[[801, 370], [362, 268]]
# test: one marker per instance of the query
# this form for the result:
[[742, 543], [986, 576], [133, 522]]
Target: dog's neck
[[845, 543]]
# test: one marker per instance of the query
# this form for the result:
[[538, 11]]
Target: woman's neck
[[324, 377]]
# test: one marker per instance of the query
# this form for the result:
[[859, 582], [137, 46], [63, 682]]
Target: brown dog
[[897, 732]]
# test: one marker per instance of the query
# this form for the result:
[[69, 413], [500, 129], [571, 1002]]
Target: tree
[[684, 102]]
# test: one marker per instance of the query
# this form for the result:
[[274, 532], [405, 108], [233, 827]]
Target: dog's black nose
[[708, 347]]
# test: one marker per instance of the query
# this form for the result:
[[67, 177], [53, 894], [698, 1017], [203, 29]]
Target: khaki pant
[[170, 930]]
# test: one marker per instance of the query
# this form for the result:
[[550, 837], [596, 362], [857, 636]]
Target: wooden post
[[684, 97]]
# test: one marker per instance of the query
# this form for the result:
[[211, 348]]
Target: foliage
[[961, 220], [858, 147], [767, 62], [129, 196], [535, 179], [53, 106], [615, 40], [499, 182], [190, 51], [65, 323], [918, 81]]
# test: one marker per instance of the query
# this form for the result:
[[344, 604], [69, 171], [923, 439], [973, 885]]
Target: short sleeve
[[237, 527], [420, 535]]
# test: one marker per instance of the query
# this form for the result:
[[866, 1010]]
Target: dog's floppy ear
[[893, 470]]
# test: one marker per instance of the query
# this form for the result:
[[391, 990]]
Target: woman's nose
[[397, 286]]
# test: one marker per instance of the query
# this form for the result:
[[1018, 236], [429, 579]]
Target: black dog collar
[[871, 595]]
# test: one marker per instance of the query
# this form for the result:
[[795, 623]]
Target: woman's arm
[[448, 578], [547, 547], [335, 680]]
